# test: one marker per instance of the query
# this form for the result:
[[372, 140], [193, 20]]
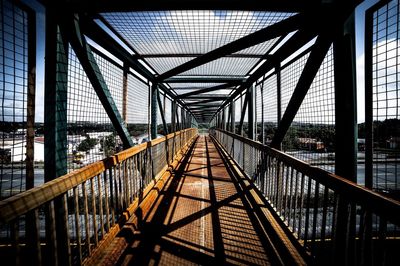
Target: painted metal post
[[153, 124], [250, 92], [32, 218], [224, 119], [368, 63], [30, 117], [55, 125], [173, 116], [346, 139], [232, 129]]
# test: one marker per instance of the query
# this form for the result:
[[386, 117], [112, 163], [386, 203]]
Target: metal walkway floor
[[200, 217]]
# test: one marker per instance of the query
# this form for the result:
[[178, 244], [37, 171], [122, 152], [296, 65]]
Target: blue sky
[[359, 19]]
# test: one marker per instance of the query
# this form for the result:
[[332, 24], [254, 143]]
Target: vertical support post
[[154, 90], [32, 222], [173, 118], [243, 104], [262, 112], [368, 99], [224, 119], [250, 92], [30, 123], [55, 124], [125, 90], [346, 138], [232, 106], [183, 118]]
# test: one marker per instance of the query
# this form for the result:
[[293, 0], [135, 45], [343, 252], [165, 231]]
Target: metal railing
[[65, 220], [333, 220]]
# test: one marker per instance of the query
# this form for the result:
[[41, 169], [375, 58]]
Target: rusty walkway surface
[[200, 217]]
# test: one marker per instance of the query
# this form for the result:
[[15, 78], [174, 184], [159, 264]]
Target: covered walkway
[[207, 132], [201, 217]]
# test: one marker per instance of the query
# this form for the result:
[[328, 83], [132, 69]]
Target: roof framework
[[203, 54]]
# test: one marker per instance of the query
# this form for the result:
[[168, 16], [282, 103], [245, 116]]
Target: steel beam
[[311, 68], [275, 30], [55, 125], [298, 40], [204, 79], [250, 109], [196, 55], [101, 37], [206, 96], [173, 116], [30, 105], [232, 107], [210, 89], [88, 62], [204, 101]]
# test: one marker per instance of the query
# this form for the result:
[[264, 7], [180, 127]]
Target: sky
[[359, 20]]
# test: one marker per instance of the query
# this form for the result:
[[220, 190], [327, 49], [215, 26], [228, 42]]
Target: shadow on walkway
[[201, 217]]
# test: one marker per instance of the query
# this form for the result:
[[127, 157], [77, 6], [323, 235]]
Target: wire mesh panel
[[188, 31], [226, 66], [290, 74], [179, 116], [311, 136], [163, 64], [258, 111], [270, 107], [386, 97], [138, 109], [91, 136], [13, 90]]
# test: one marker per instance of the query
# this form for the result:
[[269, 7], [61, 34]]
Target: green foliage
[[108, 145], [87, 144]]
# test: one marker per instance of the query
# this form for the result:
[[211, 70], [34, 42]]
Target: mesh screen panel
[[226, 66], [289, 77], [13, 107], [137, 108], [386, 97], [91, 136], [168, 109], [188, 31], [269, 108], [164, 64], [311, 136]]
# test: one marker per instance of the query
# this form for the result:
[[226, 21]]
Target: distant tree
[[108, 145], [87, 144]]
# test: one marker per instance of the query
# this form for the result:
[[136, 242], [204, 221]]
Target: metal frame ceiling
[[193, 49]]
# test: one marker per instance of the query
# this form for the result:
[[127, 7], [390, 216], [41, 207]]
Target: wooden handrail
[[378, 203], [19, 204]]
